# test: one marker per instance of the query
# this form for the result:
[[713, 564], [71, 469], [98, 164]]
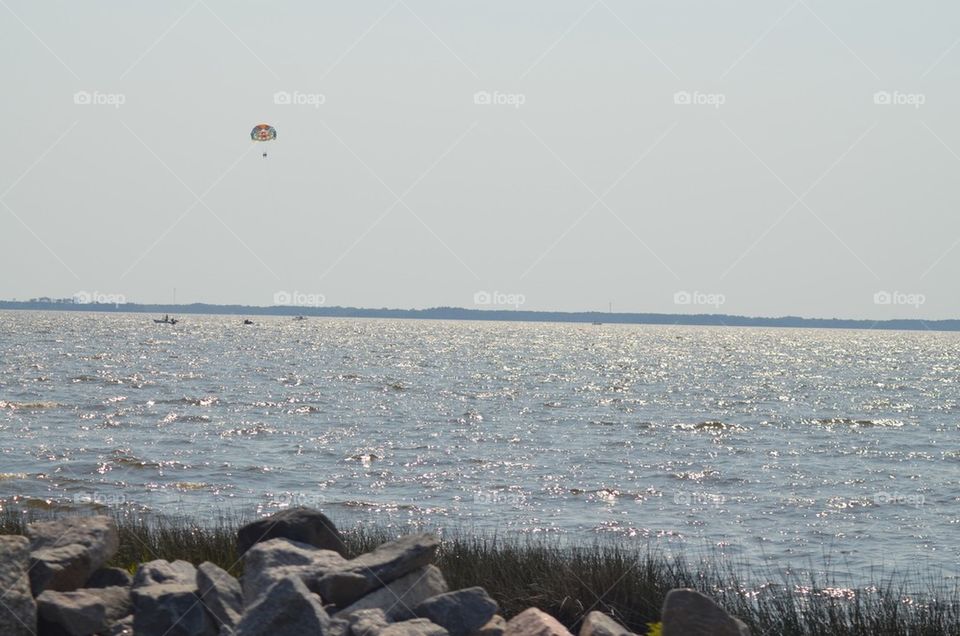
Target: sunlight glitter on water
[[775, 444]]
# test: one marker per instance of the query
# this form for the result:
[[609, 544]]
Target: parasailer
[[263, 132]]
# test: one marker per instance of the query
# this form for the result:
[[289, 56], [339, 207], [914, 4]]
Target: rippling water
[[781, 445]]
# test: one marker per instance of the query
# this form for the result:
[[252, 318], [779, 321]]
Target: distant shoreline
[[459, 313]]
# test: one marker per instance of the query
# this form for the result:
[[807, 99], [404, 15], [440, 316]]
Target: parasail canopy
[[263, 132]]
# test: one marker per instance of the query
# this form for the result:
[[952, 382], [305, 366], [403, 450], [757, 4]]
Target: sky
[[763, 157]]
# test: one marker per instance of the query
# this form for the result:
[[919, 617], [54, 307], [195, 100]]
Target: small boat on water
[[166, 320], [247, 321]]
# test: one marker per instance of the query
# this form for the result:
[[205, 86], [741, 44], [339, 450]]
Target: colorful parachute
[[263, 132]]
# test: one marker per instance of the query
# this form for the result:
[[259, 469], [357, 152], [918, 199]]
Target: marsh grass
[[569, 582]]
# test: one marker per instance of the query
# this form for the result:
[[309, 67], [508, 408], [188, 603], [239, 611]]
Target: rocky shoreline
[[297, 579]]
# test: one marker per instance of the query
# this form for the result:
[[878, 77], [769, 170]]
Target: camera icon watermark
[[298, 299], [699, 298], [96, 98], [498, 299], [899, 98], [296, 98], [883, 498], [98, 298], [699, 499], [697, 98], [899, 298], [497, 98]]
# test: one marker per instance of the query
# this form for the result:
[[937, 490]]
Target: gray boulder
[[398, 597], [123, 627], [288, 607], [109, 577], [535, 622], [496, 626], [599, 624], [414, 627], [687, 612], [65, 552], [388, 562], [220, 594], [162, 572], [84, 612], [460, 613], [18, 611], [303, 525], [338, 581], [170, 609], [340, 587], [367, 622], [338, 627], [269, 562]]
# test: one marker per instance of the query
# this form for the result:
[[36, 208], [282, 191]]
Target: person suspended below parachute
[[262, 133]]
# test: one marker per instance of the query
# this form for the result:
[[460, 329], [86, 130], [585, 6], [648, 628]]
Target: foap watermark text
[[498, 299], [899, 298], [696, 98], [298, 299], [296, 98], [698, 298], [899, 98], [498, 98], [98, 298], [96, 98]]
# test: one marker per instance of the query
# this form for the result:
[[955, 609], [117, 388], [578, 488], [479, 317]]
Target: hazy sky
[[816, 164]]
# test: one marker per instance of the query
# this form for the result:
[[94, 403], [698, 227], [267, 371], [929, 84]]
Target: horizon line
[[495, 313]]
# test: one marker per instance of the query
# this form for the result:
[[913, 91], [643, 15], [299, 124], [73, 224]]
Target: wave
[[198, 419], [192, 401], [709, 425], [854, 423], [256, 429], [30, 406], [125, 459], [697, 475]]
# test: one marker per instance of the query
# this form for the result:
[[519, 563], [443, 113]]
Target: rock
[[367, 622], [599, 624], [271, 561], [460, 613], [415, 627], [220, 593], [687, 612], [398, 597], [496, 626], [123, 627], [303, 525], [18, 611], [170, 609], [389, 562], [338, 627], [65, 552], [535, 622], [45, 628], [84, 612], [109, 577], [161, 571], [288, 607], [335, 579]]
